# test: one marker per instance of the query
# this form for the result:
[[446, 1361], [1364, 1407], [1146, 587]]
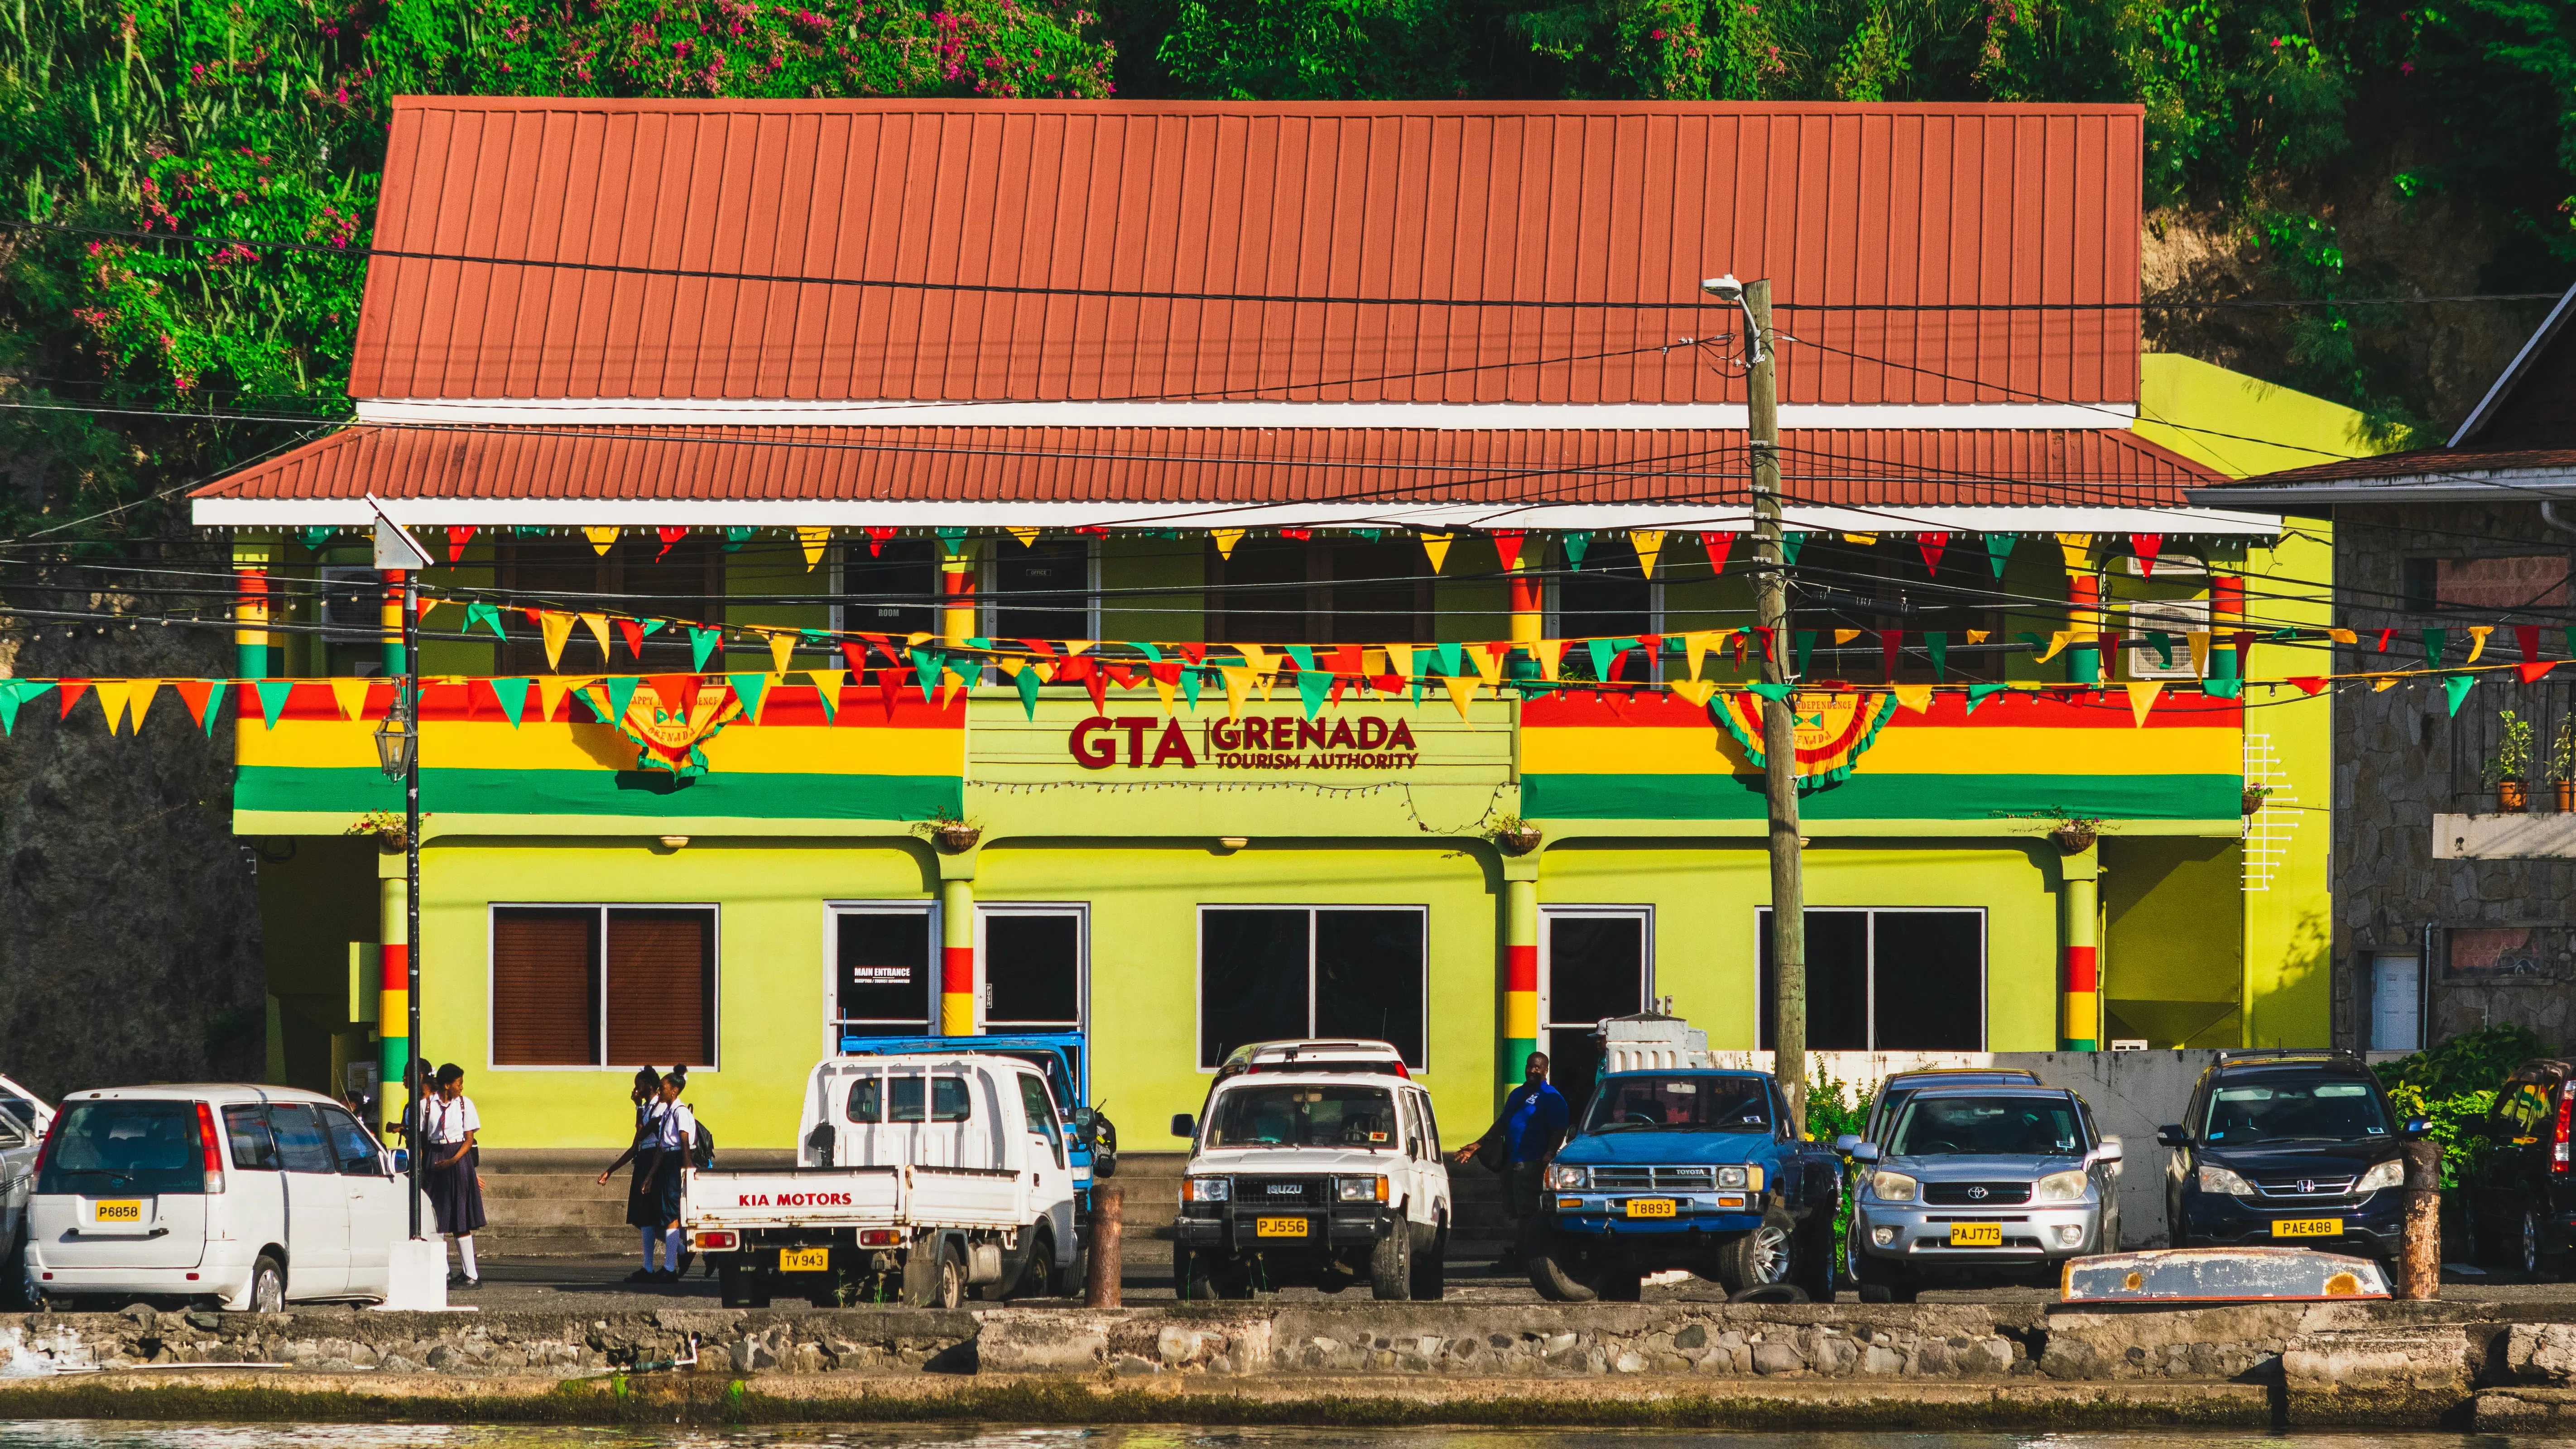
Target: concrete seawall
[[1946, 1365]]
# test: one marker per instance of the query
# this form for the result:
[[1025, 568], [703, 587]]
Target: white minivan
[[242, 1196]]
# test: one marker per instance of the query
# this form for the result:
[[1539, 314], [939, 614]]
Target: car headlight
[[2062, 1186], [2219, 1179], [1208, 1189], [1891, 1187], [2391, 1173], [1562, 1177], [1731, 1177], [1359, 1189]]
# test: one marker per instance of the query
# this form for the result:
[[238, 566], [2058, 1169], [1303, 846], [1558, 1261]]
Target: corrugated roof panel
[[1565, 203]]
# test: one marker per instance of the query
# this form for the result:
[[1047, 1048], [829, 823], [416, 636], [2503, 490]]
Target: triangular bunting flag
[[752, 690], [1932, 545], [112, 697], [1551, 659], [1238, 687], [1792, 543], [1916, 697], [1936, 642], [487, 615], [1312, 687], [513, 695], [782, 648], [1507, 547], [702, 645], [1399, 660], [2144, 547], [600, 538], [1999, 547], [2478, 641], [621, 694], [597, 624], [632, 630], [1226, 539], [273, 694], [678, 694], [197, 694], [2312, 685], [1460, 692], [1576, 542], [1979, 693], [1695, 647], [1605, 654], [351, 696], [1648, 542], [1865, 540], [668, 536], [2198, 640], [736, 537], [2078, 548], [2142, 697], [2457, 686], [1803, 643], [1027, 682], [1696, 691], [557, 628], [1775, 693], [2223, 688], [1719, 545], [2436, 641], [813, 540], [1435, 546], [1028, 537], [2526, 637], [551, 689], [458, 535]]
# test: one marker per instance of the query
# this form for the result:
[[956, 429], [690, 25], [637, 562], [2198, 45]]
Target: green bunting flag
[[735, 538], [1937, 644], [1313, 687], [1790, 546], [1776, 693], [2457, 686], [748, 688], [1577, 543], [654, 626], [1190, 685], [1605, 653], [2162, 643], [621, 689], [1453, 659], [702, 646], [927, 665], [2223, 688], [1153, 655], [1304, 654], [1804, 641], [1999, 547], [1027, 681], [317, 536], [272, 698], [513, 694], [1979, 693], [14, 692], [2435, 641], [487, 616], [214, 704]]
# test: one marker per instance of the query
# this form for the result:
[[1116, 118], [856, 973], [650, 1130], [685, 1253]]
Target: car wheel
[[2526, 1244], [267, 1285], [1548, 1274], [951, 1292], [1391, 1266], [1880, 1281], [1037, 1273], [1758, 1258], [1430, 1268]]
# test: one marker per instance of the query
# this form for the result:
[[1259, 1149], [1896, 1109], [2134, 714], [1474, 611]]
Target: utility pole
[[1779, 722], [409, 687]]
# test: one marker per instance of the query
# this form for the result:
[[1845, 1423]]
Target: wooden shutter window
[[661, 988], [545, 988]]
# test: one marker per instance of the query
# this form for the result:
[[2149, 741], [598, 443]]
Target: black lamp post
[[398, 755]]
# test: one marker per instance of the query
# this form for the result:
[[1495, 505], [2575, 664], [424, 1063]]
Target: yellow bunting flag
[[1226, 539], [1845, 636], [556, 628], [2478, 641], [1238, 687], [1649, 542], [1462, 688], [1697, 644], [1551, 653], [1028, 537], [782, 647], [1916, 697], [2198, 639], [600, 538], [551, 691], [2078, 548], [2142, 697], [1980, 636], [1399, 661], [2343, 636], [1436, 547], [1165, 688], [1865, 540], [145, 691], [2384, 684], [351, 696], [1489, 665], [950, 681], [112, 695], [1696, 691], [2056, 642], [597, 624], [812, 539], [1076, 646], [768, 691]]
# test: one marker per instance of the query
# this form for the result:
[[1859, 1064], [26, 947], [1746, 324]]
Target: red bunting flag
[[890, 688], [1931, 544], [855, 655], [1891, 647], [678, 693], [2528, 636], [71, 691], [877, 540], [1349, 659], [1299, 534], [1507, 547], [633, 629], [2531, 673], [1094, 682], [2146, 546], [2310, 684], [1197, 652], [2380, 645], [195, 694], [458, 535], [1719, 545], [669, 536]]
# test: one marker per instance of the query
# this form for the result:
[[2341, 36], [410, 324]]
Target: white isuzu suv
[[1323, 1179]]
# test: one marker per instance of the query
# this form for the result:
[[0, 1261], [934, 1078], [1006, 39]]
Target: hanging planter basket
[[955, 839], [2074, 837], [1520, 840]]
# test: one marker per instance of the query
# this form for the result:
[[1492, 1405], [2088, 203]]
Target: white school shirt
[[446, 1123], [677, 1129]]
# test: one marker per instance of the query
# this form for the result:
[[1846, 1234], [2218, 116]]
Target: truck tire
[[742, 1287], [1430, 1267], [1036, 1278], [950, 1289], [1758, 1258], [922, 1264], [1391, 1266]]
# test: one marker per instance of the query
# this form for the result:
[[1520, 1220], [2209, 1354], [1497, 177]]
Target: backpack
[[702, 1147]]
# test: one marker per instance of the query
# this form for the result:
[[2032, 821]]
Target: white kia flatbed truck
[[920, 1178]]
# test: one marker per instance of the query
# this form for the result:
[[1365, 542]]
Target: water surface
[[107, 1434]]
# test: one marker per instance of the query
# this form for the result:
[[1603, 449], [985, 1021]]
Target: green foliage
[[2512, 759], [2453, 1086], [1835, 1107]]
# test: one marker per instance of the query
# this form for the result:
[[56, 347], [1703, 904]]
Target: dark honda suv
[[2288, 1149]]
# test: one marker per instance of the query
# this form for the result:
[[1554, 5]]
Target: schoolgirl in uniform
[[449, 1180], [645, 1153]]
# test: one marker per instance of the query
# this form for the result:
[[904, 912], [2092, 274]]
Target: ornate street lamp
[[398, 754], [396, 741]]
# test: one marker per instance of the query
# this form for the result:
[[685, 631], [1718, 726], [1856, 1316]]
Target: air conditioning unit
[[353, 603], [2174, 618], [2168, 566]]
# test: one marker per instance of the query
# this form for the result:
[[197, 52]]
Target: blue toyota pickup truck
[[1692, 1169]]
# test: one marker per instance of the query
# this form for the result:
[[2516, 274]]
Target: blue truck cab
[[1092, 1145], [1692, 1168]]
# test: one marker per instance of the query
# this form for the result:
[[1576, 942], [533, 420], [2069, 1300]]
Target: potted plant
[[2561, 769], [2253, 798], [951, 835], [389, 828], [1512, 835], [2076, 836], [2510, 766]]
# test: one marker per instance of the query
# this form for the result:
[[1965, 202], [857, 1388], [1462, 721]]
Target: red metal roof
[[1363, 467], [1622, 202]]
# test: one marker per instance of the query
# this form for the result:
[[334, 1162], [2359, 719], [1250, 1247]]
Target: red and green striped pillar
[[1520, 969], [2080, 1000], [2226, 618], [251, 561], [393, 979], [956, 952]]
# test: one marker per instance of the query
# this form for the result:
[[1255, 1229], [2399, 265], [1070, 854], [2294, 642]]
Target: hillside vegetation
[[2297, 148]]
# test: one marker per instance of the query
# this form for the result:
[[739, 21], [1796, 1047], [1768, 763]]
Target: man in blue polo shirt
[[1531, 1127]]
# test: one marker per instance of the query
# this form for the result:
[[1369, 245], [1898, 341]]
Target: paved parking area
[[574, 1284]]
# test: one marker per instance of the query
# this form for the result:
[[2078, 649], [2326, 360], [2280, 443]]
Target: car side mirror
[[2172, 1135], [1182, 1126], [1846, 1142], [2416, 1129], [1863, 1151], [2109, 1149]]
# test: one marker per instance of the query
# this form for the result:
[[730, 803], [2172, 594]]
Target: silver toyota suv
[[1977, 1186]]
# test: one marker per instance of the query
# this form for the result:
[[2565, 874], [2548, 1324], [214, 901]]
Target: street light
[[397, 743], [398, 754]]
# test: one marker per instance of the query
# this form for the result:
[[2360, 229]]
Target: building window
[[1041, 591], [1319, 591], [603, 986], [1593, 962], [1879, 586], [1610, 597], [1273, 972], [1031, 959], [638, 577], [885, 976], [1931, 997], [890, 586]]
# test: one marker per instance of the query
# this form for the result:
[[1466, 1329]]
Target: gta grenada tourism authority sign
[[1370, 742], [1835, 727]]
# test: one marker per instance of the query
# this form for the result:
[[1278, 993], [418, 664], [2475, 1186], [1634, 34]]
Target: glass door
[[1593, 962], [885, 976]]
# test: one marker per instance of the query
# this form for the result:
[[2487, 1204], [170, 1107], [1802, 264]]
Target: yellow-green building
[[1190, 574]]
